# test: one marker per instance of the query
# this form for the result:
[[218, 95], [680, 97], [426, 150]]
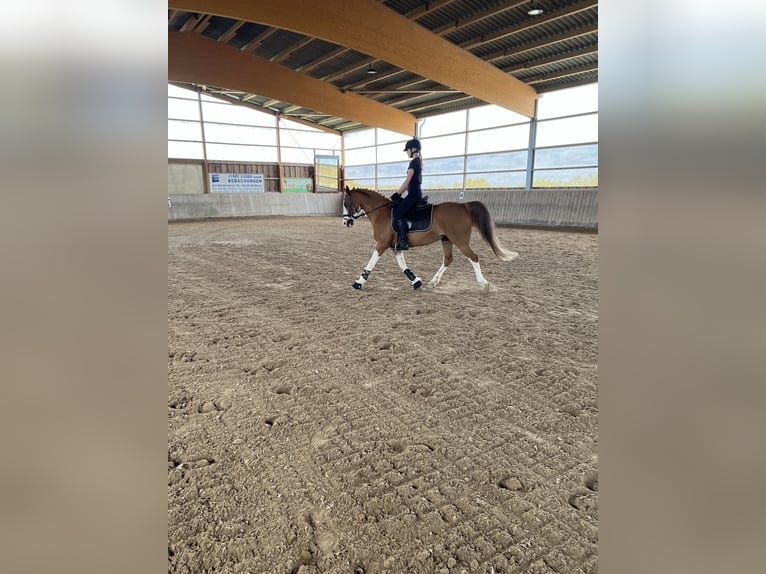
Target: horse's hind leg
[[367, 270], [471, 254], [447, 249], [416, 282]]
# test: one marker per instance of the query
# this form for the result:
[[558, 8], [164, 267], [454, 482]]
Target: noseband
[[348, 218]]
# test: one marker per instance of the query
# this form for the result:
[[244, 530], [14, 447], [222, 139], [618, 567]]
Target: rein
[[352, 216]]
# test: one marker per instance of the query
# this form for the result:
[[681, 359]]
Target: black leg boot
[[401, 229]]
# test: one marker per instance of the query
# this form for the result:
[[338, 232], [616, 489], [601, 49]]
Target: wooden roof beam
[[195, 59], [442, 31], [371, 28]]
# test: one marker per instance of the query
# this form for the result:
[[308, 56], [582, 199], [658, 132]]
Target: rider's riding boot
[[401, 229]]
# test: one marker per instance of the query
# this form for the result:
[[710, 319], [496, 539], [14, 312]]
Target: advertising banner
[[236, 182], [297, 184]]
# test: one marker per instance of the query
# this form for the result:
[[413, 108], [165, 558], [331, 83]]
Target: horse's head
[[349, 208]]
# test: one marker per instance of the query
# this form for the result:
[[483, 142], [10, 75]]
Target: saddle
[[419, 217]]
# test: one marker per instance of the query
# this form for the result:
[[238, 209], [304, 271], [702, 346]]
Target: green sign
[[297, 184]]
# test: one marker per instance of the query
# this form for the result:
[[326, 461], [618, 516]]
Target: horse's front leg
[[414, 279], [367, 269]]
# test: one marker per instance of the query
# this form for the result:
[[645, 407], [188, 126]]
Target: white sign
[[236, 182]]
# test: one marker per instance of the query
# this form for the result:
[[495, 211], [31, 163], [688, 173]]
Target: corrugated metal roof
[[556, 50]]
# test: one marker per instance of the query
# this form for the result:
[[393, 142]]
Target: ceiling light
[[534, 10], [371, 70]]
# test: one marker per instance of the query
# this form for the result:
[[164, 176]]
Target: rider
[[412, 184]]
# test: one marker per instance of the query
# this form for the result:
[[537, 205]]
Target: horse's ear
[[346, 188]]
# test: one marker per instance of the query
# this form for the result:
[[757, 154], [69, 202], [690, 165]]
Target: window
[[185, 150], [360, 156], [183, 109], [445, 165], [398, 169], [360, 138], [224, 113], [497, 179], [385, 136], [572, 156], [442, 181], [293, 134], [360, 172], [579, 100], [442, 146], [497, 161], [493, 116], [222, 133], [177, 92], [566, 178], [184, 131], [391, 152], [224, 152], [579, 129], [449, 123], [499, 139]]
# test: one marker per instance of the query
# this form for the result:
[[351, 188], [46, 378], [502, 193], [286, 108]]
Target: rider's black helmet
[[413, 143]]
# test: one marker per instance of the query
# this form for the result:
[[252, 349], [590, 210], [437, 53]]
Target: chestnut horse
[[452, 223]]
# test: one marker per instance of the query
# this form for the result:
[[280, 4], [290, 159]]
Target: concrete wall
[[249, 204], [186, 178], [576, 208]]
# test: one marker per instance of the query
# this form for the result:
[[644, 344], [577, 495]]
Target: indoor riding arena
[[317, 428]]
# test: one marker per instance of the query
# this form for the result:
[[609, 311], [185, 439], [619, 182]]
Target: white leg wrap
[[369, 267], [479, 276]]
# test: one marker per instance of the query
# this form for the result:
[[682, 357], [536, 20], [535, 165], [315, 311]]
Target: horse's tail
[[482, 219]]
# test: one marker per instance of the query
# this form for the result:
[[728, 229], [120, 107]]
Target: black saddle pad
[[419, 218]]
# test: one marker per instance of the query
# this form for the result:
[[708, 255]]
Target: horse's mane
[[368, 192], [371, 195]]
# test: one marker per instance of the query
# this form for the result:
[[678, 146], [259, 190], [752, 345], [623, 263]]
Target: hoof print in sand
[[175, 464], [591, 481], [583, 501], [211, 406], [512, 483]]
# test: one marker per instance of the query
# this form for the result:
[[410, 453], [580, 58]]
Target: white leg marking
[[370, 266], [479, 276], [437, 276], [400, 260]]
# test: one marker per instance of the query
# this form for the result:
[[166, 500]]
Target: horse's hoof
[[357, 285], [417, 284]]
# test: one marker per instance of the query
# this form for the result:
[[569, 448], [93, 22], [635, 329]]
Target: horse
[[451, 223]]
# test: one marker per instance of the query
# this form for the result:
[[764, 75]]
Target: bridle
[[348, 218]]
